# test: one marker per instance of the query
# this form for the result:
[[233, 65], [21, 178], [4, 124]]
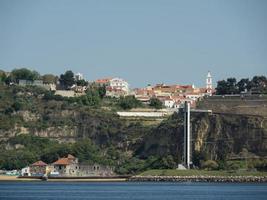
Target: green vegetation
[[155, 103], [129, 102], [33, 148], [258, 84], [67, 80], [49, 79]]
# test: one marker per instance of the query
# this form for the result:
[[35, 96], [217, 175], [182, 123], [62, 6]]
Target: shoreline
[[199, 178], [65, 179], [215, 179]]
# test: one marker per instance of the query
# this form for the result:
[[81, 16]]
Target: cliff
[[228, 133]]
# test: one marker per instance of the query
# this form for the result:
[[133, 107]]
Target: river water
[[131, 190]]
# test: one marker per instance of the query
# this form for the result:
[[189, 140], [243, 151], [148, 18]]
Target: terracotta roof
[[62, 161], [39, 163], [65, 161], [104, 80]]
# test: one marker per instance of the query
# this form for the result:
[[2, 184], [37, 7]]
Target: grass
[[192, 172]]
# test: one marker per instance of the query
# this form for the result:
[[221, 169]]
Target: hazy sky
[[142, 41]]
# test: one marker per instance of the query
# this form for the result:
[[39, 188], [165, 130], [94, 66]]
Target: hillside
[[36, 125]]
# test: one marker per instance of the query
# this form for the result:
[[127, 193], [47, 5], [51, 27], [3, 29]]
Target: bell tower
[[209, 84]]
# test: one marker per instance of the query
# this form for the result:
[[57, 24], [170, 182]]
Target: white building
[[168, 103], [25, 171], [193, 96], [78, 76], [209, 84], [117, 87]]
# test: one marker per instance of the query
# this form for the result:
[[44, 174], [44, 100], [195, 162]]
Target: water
[[130, 190]]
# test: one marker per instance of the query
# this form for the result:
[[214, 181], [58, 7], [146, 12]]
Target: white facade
[[117, 87], [25, 171], [118, 83], [193, 97], [78, 76], [141, 114], [169, 103], [209, 84]]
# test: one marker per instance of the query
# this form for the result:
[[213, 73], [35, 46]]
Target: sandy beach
[[15, 178]]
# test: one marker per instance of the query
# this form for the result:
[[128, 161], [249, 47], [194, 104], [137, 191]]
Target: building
[[25, 171], [168, 103], [69, 166], [38, 168], [102, 82], [78, 76], [209, 84], [117, 87], [38, 83], [66, 166]]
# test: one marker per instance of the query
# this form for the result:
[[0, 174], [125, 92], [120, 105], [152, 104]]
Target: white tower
[[209, 84], [187, 135]]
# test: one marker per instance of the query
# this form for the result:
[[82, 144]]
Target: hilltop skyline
[[143, 42]]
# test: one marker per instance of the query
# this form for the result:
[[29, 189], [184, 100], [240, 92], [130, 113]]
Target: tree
[[243, 85], [129, 102], [67, 80], [221, 88], [210, 165], [227, 87], [81, 82], [3, 76], [24, 73], [156, 103], [102, 91], [259, 84], [49, 78], [231, 86]]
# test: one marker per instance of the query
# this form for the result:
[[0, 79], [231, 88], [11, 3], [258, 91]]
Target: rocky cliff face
[[223, 135], [218, 136], [103, 128]]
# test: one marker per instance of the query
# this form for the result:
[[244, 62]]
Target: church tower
[[209, 84]]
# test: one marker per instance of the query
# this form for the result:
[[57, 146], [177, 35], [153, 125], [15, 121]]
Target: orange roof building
[[70, 159], [39, 163], [103, 81]]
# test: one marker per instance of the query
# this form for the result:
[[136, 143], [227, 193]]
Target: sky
[[141, 41]]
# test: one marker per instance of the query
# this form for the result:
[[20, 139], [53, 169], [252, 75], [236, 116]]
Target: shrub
[[155, 103], [209, 165]]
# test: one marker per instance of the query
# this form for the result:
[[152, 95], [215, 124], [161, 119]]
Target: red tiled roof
[[62, 161], [39, 163], [65, 161], [104, 80]]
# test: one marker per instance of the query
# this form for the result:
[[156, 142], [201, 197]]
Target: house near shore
[[69, 166], [38, 168], [66, 167]]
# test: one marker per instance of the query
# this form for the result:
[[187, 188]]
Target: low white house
[[193, 97], [25, 171], [168, 103]]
